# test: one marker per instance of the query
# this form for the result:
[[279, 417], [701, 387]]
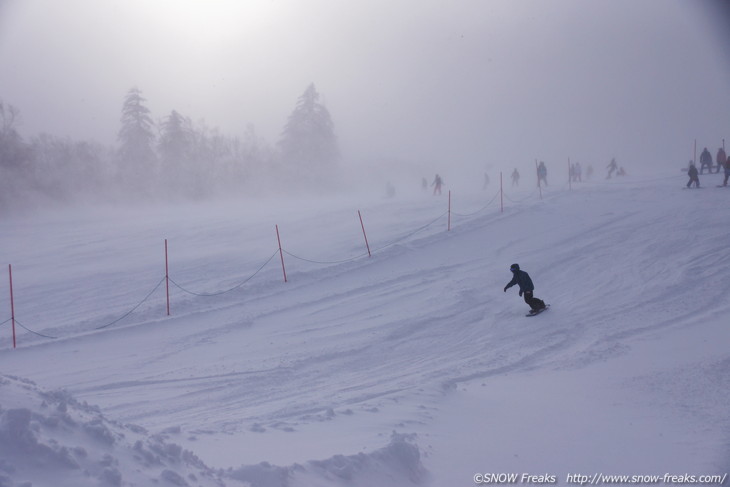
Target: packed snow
[[407, 367]]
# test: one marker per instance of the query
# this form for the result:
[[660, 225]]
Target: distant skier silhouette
[[705, 160], [542, 173], [612, 166], [437, 182], [693, 177]]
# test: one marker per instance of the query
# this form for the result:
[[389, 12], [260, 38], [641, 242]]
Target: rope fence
[[281, 251], [133, 309], [237, 286], [31, 331], [409, 235], [483, 208]]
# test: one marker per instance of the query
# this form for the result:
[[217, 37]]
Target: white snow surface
[[409, 367]]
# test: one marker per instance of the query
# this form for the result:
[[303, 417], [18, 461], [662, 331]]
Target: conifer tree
[[136, 138], [308, 143], [176, 138], [13, 151]]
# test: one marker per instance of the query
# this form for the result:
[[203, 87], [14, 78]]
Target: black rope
[[34, 332], [412, 233], [133, 309], [325, 262], [479, 210], [227, 290], [9, 319]]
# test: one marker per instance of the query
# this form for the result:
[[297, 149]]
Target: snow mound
[[397, 464], [50, 438]]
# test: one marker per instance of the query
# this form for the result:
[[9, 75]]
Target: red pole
[[501, 194], [367, 245], [12, 303], [167, 280], [694, 157], [281, 252], [448, 227]]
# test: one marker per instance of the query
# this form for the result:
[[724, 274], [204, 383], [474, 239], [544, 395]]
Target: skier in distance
[[693, 177]]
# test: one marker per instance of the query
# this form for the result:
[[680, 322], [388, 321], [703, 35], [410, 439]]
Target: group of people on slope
[[436, 184], [723, 162], [575, 175], [541, 175], [614, 167]]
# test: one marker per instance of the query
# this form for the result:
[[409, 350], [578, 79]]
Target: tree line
[[169, 159]]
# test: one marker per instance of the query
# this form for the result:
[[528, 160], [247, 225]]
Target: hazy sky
[[477, 81]]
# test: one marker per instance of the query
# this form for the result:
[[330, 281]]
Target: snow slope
[[410, 367]]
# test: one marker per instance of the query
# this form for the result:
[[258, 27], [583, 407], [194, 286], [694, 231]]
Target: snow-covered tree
[[175, 138], [308, 143], [14, 158], [13, 151], [136, 138], [64, 169]]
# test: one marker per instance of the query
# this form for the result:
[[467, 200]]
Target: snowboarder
[[721, 158], [612, 166], [692, 173], [705, 160], [727, 171], [515, 177], [541, 173], [522, 279], [437, 182]]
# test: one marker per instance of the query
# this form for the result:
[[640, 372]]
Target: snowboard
[[547, 307]]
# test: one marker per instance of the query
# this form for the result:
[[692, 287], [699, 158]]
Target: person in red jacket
[[720, 159]]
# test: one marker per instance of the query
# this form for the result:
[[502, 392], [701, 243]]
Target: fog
[[432, 86]]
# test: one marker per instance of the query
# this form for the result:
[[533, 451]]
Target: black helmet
[[514, 267]]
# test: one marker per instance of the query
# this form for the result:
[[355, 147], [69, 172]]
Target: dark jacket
[[692, 172], [522, 279], [706, 157]]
